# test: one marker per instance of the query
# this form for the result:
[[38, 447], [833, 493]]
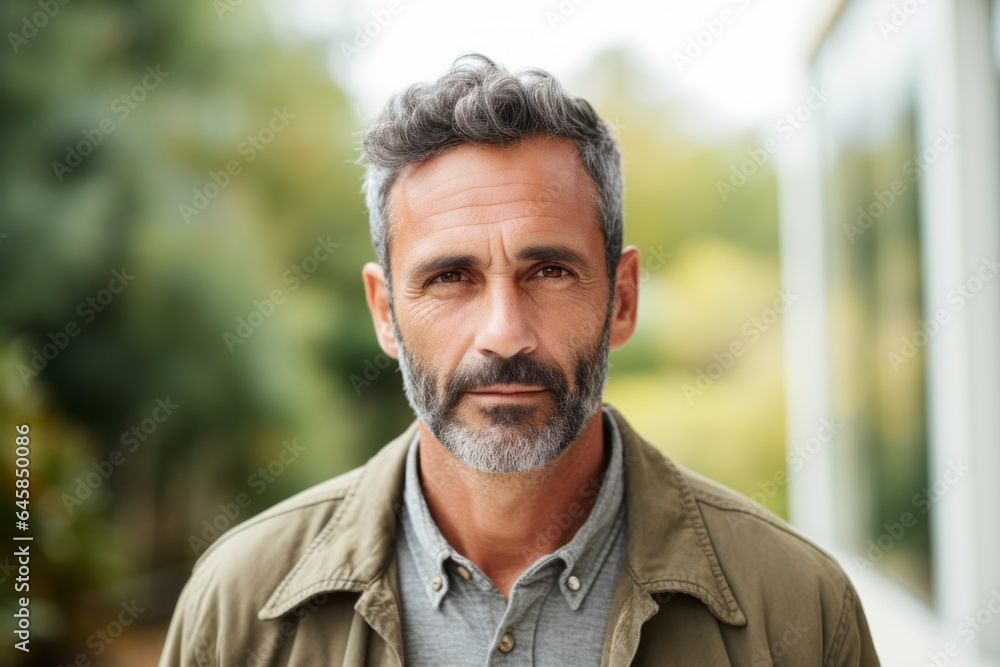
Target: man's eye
[[448, 277], [553, 272]]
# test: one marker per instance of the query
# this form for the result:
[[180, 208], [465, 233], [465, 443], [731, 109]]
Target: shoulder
[[781, 577], [332, 527], [239, 572], [286, 532], [244, 566], [766, 560], [287, 526], [740, 525]]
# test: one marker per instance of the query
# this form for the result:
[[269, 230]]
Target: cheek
[[570, 338], [421, 318], [435, 335], [574, 319]]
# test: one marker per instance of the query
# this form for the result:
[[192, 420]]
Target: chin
[[504, 449]]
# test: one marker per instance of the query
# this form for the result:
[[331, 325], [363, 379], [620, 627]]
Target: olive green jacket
[[709, 579]]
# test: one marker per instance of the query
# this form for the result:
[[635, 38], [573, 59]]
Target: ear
[[626, 308], [378, 304]]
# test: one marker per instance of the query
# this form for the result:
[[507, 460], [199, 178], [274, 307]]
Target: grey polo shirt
[[453, 615]]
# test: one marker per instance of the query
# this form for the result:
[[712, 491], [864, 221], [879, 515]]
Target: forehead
[[538, 187]]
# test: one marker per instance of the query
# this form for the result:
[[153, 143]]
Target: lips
[[507, 393]]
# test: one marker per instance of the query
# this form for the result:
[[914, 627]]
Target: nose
[[506, 328]]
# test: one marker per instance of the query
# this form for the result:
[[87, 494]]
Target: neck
[[504, 523]]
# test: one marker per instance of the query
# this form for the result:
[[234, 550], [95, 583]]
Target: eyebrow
[[436, 264], [543, 253], [549, 253]]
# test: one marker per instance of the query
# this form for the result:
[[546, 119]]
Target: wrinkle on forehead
[[537, 178]]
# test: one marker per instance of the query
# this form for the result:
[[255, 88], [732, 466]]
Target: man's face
[[501, 305]]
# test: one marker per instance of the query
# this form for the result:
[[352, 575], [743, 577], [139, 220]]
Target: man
[[518, 521]]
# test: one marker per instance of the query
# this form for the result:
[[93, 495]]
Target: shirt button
[[506, 643], [465, 574], [436, 583], [573, 583]]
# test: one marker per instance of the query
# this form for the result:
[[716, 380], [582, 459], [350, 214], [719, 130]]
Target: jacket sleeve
[[852, 646]]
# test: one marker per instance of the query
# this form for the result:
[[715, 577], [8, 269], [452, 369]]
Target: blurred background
[[813, 188]]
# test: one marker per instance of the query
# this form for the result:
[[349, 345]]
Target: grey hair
[[478, 101]]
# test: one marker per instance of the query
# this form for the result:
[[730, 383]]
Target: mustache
[[519, 369]]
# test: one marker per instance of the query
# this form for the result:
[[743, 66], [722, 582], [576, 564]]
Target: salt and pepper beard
[[510, 443]]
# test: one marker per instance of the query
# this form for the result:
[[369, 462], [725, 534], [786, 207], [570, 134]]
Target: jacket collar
[[669, 549]]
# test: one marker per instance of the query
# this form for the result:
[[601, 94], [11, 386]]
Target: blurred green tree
[[202, 158]]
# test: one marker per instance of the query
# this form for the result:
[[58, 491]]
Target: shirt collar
[[582, 556], [668, 550]]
